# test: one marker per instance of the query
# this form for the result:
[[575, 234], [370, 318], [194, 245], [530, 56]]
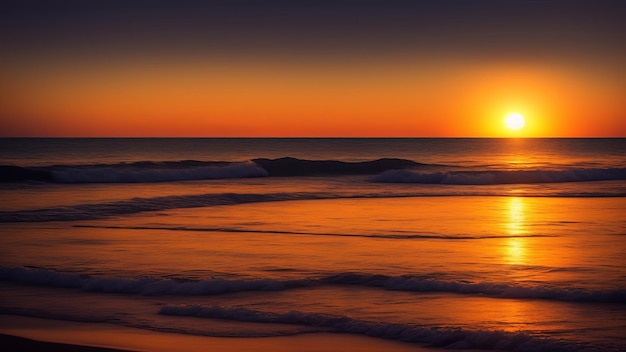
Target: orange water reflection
[[398, 235], [516, 216], [516, 247]]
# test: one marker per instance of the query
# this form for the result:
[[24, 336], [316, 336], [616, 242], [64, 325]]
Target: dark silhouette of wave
[[147, 171], [446, 337], [92, 211], [141, 172], [10, 173], [388, 170], [299, 167], [136, 205], [156, 286], [495, 177]]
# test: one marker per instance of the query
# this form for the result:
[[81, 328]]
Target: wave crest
[[155, 286], [142, 172], [299, 167], [137, 205], [144, 286], [437, 337], [501, 177], [386, 170], [146, 171], [145, 175]]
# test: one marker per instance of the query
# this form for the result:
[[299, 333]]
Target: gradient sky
[[439, 68]]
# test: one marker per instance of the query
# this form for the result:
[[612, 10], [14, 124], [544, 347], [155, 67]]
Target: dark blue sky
[[492, 28]]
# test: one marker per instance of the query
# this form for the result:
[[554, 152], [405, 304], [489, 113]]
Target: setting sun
[[514, 121], [262, 175]]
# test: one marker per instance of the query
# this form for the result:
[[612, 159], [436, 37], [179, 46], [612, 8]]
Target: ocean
[[490, 244]]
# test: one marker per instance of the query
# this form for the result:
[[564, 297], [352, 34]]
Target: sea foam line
[[454, 338], [387, 170], [146, 171], [143, 286], [495, 177], [105, 210], [407, 236], [155, 286], [146, 175], [139, 172], [137, 205]]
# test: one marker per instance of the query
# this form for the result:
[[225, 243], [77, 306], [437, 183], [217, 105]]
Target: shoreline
[[19, 333], [11, 343]]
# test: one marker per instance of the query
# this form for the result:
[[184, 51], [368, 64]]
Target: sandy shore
[[16, 344], [52, 335]]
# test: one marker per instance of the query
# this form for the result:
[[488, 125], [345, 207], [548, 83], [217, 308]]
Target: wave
[[489, 289], [494, 177], [453, 338], [94, 211], [387, 170], [137, 205], [298, 322], [156, 286], [298, 167], [144, 172], [133, 321], [505, 290], [143, 286], [407, 236]]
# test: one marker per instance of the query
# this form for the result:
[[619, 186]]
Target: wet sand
[[34, 334], [14, 344]]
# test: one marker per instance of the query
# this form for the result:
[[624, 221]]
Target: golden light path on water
[[516, 246]]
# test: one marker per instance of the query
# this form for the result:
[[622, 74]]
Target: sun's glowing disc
[[514, 121]]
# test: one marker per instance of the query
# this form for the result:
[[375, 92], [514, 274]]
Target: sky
[[290, 68]]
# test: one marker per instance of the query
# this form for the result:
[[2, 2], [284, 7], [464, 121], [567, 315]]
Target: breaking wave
[[387, 170], [142, 172], [494, 177], [454, 338], [145, 172], [156, 286], [490, 289], [299, 167], [144, 286]]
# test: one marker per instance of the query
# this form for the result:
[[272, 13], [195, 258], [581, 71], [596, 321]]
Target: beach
[[315, 245], [328, 176], [53, 335], [15, 343]]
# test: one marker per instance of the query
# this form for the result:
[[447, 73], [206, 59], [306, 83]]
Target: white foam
[[500, 177], [155, 286], [136, 205], [145, 286], [503, 290], [438, 337]]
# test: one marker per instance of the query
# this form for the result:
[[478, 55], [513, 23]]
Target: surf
[[407, 283], [385, 170]]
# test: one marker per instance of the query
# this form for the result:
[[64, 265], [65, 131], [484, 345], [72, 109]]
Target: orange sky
[[450, 92]]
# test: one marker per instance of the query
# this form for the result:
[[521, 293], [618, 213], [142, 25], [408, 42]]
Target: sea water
[[496, 244]]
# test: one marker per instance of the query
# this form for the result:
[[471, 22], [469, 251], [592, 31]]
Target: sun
[[514, 121]]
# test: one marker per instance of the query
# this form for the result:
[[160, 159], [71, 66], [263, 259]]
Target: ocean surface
[[492, 244]]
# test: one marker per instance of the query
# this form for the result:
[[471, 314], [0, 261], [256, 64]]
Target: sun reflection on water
[[516, 216], [515, 225]]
